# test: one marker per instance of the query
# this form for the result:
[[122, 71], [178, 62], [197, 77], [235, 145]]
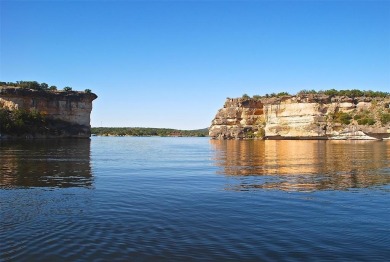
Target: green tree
[[331, 92], [303, 92], [44, 86], [67, 89], [356, 93], [29, 84], [283, 94]]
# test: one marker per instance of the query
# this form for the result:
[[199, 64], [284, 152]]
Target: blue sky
[[173, 63]]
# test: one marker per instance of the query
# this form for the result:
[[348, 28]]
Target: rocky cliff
[[67, 113], [310, 116]]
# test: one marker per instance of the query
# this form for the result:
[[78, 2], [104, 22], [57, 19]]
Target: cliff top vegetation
[[352, 93], [34, 85]]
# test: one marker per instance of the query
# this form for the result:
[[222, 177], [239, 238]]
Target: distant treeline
[[143, 131], [38, 86], [331, 92]]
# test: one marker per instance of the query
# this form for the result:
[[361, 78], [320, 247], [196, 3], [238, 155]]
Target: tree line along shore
[[144, 131]]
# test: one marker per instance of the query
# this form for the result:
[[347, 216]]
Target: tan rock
[[305, 117]]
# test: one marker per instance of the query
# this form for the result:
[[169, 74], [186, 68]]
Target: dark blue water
[[174, 199]]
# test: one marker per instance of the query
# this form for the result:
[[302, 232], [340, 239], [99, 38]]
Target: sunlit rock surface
[[302, 117]]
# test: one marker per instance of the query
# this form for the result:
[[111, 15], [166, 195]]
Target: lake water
[[175, 199]]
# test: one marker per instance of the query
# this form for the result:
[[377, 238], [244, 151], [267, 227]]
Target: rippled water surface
[[143, 199]]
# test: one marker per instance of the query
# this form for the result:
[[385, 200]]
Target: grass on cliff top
[[144, 131], [331, 92], [34, 85]]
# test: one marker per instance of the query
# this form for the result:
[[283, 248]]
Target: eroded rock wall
[[70, 108], [237, 119], [303, 117]]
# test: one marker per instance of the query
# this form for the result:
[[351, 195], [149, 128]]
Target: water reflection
[[303, 165], [45, 163]]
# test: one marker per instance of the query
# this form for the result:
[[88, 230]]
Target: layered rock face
[[71, 110], [303, 117]]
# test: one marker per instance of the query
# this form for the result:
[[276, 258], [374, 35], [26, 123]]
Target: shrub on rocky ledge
[[341, 117], [385, 118], [20, 121], [366, 121]]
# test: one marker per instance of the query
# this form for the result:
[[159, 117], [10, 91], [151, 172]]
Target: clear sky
[[173, 63]]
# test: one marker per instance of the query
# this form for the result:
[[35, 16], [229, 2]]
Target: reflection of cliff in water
[[303, 165], [45, 163]]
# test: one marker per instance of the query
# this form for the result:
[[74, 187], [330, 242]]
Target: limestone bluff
[[67, 113], [307, 116]]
